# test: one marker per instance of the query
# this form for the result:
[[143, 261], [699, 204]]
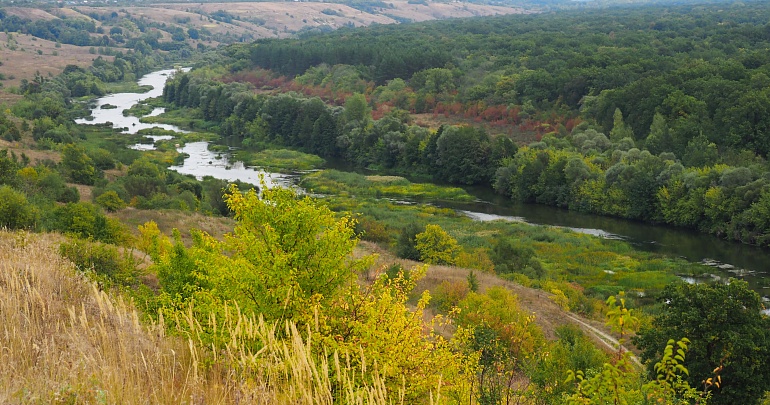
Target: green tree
[[111, 201], [726, 329], [357, 110], [659, 139], [406, 244], [77, 166], [15, 211], [144, 179], [86, 221], [8, 169], [700, 152], [436, 246], [620, 130], [285, 257]]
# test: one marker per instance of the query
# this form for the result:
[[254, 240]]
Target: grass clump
[[280, 159], [336, 182]]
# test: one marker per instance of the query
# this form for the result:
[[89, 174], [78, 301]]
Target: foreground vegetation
[[287, 307]]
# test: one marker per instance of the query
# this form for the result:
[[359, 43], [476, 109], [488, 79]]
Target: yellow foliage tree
[[436, 246]]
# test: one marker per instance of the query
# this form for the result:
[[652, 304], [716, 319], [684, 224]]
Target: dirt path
[[598, 335], [548, 314]]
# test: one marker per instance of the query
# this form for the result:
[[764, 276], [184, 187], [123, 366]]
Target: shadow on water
[[729, 259]]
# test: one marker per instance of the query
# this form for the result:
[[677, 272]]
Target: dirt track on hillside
[[548, 314]]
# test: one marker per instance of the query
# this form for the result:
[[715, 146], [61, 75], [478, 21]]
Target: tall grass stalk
[[63, 340]]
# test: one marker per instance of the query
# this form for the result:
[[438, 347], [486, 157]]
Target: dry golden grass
[[24, 61], [168, 220], [384, 179], [65, 341], [439, 10]]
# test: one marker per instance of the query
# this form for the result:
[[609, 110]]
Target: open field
[[290, 17], [23, 56]]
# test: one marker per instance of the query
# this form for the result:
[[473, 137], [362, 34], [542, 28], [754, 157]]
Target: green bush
[[86, 221], [372, 230], [77, 166], [15, 211], [102, 158], [436, 246], [111, 201], [104, 260], [406, 244]]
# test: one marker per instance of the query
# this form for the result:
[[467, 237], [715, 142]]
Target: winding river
[[727, 258]]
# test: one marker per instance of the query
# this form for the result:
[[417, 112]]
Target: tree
[[285, 257], [463, 156], [618, 383], [659, 140], [406, 244], [726, 329], [357, 110], [620, 130], [111, 201], [436, 246], [15, 211], [77, 166], [86, 221], [504, 336]]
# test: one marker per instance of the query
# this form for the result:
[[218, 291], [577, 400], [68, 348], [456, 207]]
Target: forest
[[133, 282], [659, 119]]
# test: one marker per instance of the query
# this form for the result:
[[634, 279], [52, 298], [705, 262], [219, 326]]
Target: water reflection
[[123, 101], [203, 162]]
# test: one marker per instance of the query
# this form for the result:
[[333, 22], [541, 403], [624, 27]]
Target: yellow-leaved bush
[[289, 263]]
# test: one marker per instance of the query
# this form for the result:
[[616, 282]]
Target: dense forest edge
[[661, 118], [168, 288]]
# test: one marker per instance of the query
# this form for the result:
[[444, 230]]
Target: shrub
[[15, 211], [449, 294], [85, 220], [436, 246], [105, 260], [77, 166], [111, 201], [372, 230], [476, 259], [406, 245], [102, 159]]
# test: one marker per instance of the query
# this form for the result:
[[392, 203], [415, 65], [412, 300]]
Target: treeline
[[68, 31], [703, 67], [123, 31], [584, 170], [456, 154], [587, 172], [654, 114]]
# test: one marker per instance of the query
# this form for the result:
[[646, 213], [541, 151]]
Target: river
[[727, 258]]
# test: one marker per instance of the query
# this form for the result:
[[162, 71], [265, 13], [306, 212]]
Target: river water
[[728, 259]]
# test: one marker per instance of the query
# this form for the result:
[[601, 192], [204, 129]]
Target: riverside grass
[[600, 266], [66, 341], [347, 183], [280, 159]]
